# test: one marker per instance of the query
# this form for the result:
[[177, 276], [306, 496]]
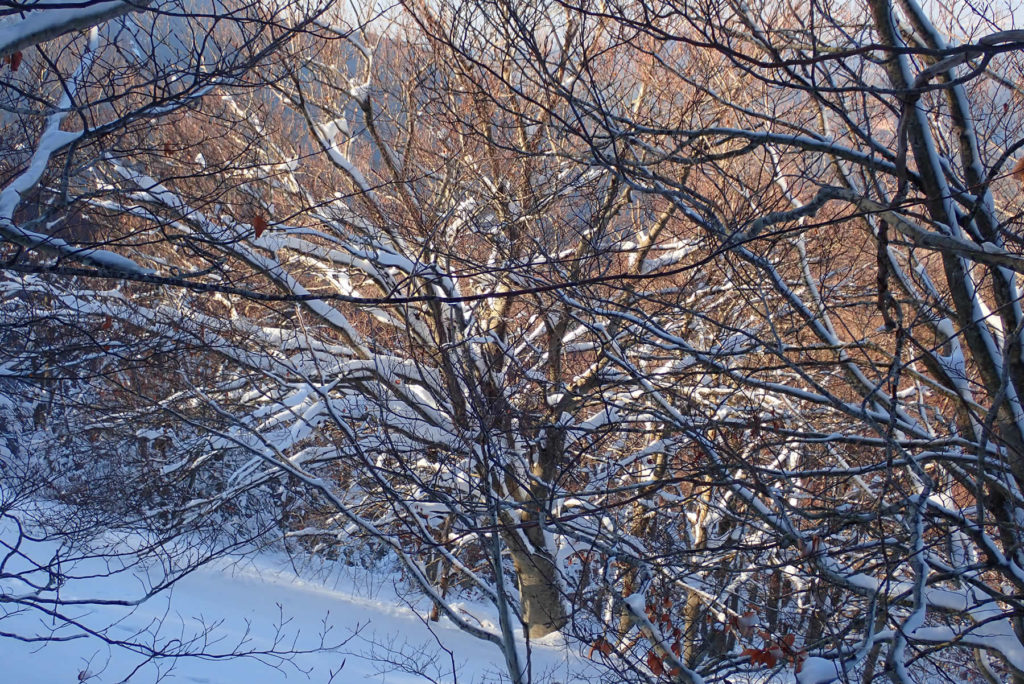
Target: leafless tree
[[843, 170], [687, 330], [82, 492]]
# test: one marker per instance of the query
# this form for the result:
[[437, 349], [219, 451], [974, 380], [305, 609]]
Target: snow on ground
[[254, 602]]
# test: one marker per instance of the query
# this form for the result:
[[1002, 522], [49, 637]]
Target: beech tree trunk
[[540, 596]]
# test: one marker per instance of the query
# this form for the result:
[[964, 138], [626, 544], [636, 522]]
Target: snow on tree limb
[[43, 23]]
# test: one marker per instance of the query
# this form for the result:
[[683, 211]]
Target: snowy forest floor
[[345, 625]]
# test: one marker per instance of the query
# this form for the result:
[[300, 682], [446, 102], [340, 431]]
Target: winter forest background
[[687, 334]]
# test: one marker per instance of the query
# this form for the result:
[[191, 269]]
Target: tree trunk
[[540, 595]]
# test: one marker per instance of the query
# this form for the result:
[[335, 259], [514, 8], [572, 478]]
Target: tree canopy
[[690, 331]]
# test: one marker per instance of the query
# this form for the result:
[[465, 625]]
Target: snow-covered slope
[[261, 605]]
